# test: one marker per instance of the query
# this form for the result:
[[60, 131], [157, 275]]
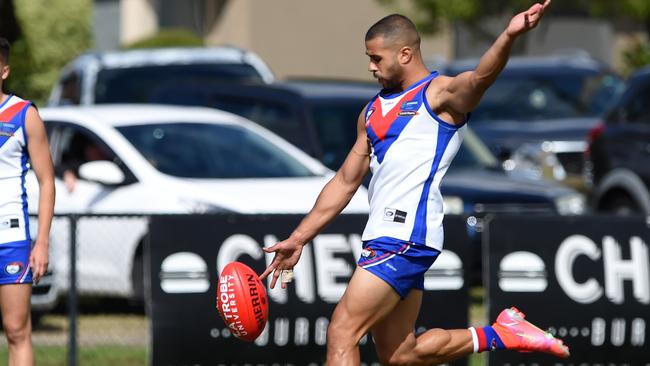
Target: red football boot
[[518, 334]]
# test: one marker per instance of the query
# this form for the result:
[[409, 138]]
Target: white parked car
[[137, 159]]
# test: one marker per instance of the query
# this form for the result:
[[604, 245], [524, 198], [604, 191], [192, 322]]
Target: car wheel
[[622, 205]]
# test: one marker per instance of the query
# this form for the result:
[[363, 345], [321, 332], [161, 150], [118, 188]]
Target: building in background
[[315, 38]]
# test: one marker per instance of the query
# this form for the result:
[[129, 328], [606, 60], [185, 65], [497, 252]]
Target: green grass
[[95, 356], [104, 340]]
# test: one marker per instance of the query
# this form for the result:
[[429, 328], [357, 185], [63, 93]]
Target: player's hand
[[39, 259], [527, 20], [287, 254]]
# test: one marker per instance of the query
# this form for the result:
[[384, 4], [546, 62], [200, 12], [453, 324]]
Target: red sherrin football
[[242, 301]]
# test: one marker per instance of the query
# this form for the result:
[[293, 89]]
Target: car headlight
[[535, 160], [570, 204], [452, 205]]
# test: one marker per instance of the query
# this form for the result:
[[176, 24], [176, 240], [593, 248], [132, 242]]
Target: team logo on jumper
[[394, 215], [14, 268], [369, 113], [368, 253]]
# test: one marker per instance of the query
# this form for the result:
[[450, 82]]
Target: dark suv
[[538, 112], [618, 159]]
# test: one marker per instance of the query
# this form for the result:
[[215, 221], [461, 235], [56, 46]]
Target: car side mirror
[[103, 172]]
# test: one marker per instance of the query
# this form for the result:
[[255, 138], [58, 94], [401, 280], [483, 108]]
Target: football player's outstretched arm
[[336, 194], [463, 92]]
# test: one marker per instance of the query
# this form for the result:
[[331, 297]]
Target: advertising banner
[[584, 279], [185, 253]]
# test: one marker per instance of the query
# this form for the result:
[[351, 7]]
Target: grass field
[[104, 339], [95, 356]]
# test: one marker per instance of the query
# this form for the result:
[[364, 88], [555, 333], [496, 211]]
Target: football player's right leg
[[367, 300], [397, 344]]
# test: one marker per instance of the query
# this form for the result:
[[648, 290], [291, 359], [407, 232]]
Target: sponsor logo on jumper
[[9, 223], [394, 215], [7, 129], [407, 113], [389, 103], [411, 105]]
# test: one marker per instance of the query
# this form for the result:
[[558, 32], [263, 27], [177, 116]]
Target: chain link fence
[[89, 308]]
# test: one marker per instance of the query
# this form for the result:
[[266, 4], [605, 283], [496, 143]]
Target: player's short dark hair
[[4, 49], [395, 27]]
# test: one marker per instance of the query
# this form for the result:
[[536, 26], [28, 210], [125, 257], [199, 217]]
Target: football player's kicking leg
[[366, 301], [397, 344]]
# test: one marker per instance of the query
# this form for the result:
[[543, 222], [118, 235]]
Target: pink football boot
[[518, 334]]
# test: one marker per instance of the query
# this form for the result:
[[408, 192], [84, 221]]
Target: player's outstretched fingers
[[267, 271], [274, 279], [274, 263]]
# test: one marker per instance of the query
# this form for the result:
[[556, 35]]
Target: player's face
[[383, 63]]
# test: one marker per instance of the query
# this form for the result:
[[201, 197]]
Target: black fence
[[141, 290], [585, 280]]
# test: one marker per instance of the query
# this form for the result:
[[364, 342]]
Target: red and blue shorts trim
[[399, 263], [14, 262]]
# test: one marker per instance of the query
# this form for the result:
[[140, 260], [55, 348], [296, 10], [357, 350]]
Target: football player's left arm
[[41, 162], [463, 93]]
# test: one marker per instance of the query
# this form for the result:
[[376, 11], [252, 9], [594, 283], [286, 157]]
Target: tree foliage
[[428, 14], [52, 34]]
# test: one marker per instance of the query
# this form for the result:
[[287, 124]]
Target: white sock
[[474, 338]]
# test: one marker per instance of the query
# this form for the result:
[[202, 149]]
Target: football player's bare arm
[[454, 97], [332, 199], [41, 161], [338, 192]]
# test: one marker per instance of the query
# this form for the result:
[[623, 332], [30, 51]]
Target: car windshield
[[202, 150], [136, 84], [335, 122], [473, 154], [531, 97]]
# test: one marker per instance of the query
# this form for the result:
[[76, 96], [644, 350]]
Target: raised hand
[[287, 254], [527, 20]]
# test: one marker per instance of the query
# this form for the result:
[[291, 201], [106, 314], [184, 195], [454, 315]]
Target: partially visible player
[[23, 143]]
